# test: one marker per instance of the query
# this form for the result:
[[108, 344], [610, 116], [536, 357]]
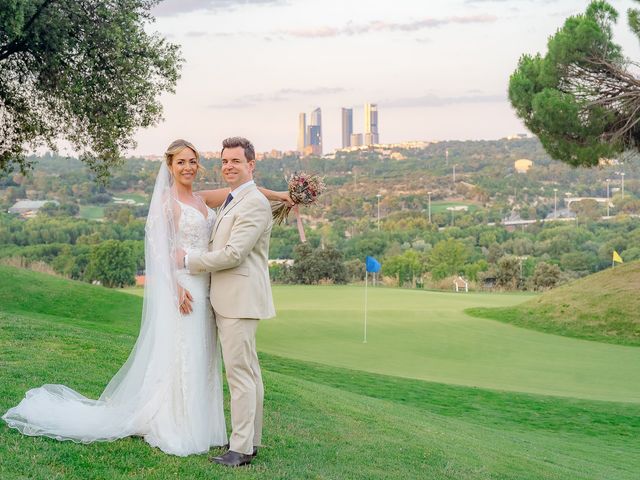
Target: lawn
[[321, 421], [427, 335], [604, 307], [96, 212], [136, 197], [91, 212], [441, 207]]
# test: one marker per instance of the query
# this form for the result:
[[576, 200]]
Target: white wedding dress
[[170, 389]]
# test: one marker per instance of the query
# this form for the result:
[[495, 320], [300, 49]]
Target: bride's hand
[[285, 198], [180, 253], [185, 300]]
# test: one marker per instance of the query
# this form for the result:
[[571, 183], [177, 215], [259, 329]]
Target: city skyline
[[438, 70]]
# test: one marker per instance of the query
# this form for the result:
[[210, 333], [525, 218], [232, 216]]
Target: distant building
[[356, 139], [523, 165], [563, 213], [371, 136], [302, 132], [29, 208], [153, 158], [314, 133], [517, 136], [347, 126], [608, 161], [209, 155]]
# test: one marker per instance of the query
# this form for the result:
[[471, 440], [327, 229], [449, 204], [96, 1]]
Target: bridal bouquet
[[304, 189]]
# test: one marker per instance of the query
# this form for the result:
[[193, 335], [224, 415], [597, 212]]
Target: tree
[[545, 276], [447, 258], [311, 266], [587, 209], [508, 272], [356, 270], [84, 71], [406, 267], [582, 98], [113, 264]]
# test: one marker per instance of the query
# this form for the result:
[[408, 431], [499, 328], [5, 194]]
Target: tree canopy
[[81, 71], [582, 98]]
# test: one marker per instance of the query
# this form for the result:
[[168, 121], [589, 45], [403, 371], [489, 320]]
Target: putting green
[[426, 335]]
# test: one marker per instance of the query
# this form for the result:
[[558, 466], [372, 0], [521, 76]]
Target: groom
[[240, 293]]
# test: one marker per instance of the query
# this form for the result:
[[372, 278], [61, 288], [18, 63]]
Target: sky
[[438, 69]]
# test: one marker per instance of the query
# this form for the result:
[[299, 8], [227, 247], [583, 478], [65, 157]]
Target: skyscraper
[[314, 133], [347, 126], [302, 132], [371, 136]]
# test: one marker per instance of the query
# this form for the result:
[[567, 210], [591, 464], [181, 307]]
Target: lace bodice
[[194, 229]]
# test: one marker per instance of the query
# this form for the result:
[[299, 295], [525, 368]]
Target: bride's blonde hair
[[176, 147]]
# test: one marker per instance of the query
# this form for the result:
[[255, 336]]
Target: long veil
[[134, 394]]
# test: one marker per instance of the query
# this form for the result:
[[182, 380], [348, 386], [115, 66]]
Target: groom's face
[[236, 169]]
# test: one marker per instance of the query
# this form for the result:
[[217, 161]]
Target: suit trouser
[[238, 340]]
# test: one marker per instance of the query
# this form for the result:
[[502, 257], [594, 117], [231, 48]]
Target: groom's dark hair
[[233, 142]]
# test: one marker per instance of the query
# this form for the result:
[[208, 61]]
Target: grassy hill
[[604, 307], [321, 422]]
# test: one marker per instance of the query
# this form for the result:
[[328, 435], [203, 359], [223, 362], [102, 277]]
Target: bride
[[169, 391]]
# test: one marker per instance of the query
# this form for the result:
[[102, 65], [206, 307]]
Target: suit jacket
[[238, 258]]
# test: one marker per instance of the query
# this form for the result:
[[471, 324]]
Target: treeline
[[413, 252], [110, 252], [414, 247]]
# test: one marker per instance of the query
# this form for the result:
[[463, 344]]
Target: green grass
[[321, 421], [604, 307], [427, 336], [91, 212], [96, 212], [441, 207], [136, 197]]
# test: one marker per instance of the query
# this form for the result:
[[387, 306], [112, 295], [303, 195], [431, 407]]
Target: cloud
[[281, 95], [196, 34], [436, 101], [351, 29], [168, 8]]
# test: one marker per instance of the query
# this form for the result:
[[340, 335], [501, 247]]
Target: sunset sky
[[437, 69]]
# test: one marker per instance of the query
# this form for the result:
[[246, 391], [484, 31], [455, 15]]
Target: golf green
[[426, 335]]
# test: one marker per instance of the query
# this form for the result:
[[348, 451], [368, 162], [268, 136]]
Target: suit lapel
[[232, 204]]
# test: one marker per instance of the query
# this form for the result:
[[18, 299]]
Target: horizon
[[437, 71]]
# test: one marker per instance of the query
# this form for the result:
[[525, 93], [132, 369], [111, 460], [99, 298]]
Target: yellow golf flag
[[617, 257]]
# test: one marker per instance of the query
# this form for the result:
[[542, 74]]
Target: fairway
[[426, 335], [91, 212], [441, 207]]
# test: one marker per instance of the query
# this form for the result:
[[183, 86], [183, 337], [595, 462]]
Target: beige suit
[[241, 295]]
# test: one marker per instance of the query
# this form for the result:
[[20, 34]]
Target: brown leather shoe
[[233, 459], [254, 453]]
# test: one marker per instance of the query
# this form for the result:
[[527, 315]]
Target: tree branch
[[17, 45]]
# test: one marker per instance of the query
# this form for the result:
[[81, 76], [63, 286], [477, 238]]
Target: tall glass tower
[[314, 132], [303, 141], [371, 136], [347, 126]]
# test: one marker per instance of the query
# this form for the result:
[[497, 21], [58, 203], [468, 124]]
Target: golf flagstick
[[366, 282]]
